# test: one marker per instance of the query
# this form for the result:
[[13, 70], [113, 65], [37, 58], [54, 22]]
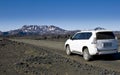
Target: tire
[[115, 56], [68, 52], [86, 55]]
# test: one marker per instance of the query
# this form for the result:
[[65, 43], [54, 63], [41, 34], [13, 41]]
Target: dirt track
[[25, 59], [103, 62]]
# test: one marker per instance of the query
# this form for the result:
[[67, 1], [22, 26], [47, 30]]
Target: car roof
[[95, 31]]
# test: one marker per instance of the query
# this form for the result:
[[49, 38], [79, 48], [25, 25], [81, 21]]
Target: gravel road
[[104, 62]]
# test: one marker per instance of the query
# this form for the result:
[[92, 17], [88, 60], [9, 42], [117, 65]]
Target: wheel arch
[[84, 47], [66, 45]]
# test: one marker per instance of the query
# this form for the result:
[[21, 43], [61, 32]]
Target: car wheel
[[68, 52], [115, 56], [86, 55]]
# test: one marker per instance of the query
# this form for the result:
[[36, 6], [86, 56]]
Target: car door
[[80, 40], [83, 41], [75, 44]]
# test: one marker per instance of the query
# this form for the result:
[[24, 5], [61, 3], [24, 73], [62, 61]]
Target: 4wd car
[[89, 43]]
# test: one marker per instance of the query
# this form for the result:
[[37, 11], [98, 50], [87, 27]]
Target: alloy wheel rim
[[67, 50], [85, 55]]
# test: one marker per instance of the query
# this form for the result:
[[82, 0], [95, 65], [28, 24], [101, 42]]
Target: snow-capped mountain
[[99, 28], [43, 28], [36, 29]]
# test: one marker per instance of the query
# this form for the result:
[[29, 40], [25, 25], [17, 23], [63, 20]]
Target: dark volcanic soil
[[23, 59]]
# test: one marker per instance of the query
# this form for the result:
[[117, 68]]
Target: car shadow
[[109, 57], [112, 57]]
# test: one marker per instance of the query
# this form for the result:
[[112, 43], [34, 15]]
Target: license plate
[[107, 44]]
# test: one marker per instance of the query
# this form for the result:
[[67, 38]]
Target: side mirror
[[71, 38]]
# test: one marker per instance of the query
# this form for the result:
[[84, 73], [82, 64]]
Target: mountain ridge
[[43, 30], [36, 30]]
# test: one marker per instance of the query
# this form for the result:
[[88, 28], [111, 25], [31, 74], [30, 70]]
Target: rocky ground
[[24, 59]]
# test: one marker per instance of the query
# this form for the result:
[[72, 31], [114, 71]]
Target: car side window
[[77, 36], [82, 36], [87, 35]]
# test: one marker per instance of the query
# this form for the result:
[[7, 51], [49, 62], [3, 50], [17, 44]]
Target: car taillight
[[94, 41], [116, 38]]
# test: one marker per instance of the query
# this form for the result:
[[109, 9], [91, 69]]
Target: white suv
[[89, 43]]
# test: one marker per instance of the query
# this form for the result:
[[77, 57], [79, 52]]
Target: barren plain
[[45, 57]]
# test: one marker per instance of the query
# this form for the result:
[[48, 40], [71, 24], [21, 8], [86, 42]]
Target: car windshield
[[105, 35]]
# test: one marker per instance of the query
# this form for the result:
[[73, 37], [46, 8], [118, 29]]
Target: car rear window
[[105, 35]]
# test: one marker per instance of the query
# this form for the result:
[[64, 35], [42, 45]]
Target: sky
[[66, 14]]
